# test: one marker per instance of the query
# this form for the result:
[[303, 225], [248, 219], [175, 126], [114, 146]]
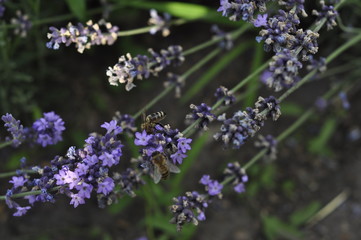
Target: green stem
[[13, 173], [5, 144], [197, 66], [37, 192]]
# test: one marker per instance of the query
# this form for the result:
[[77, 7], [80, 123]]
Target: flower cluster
[[238, 176], [177, 81], [283, 71], [22, 23], [317, 64], [202, 112], [226, 42], [15, 128], [45, 131], [237, 130], [83, 36], [78, 174], [142, 66], [159, 23], [271, 104], [126, 122], [295, 5], [189, 209], [268, 143], [236, 10], [213, 187], [48, 130], [327, 12], [222, 93], [168, 142]]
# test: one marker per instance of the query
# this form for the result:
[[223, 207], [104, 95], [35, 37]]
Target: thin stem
[[5, 144], [23, 194], [146, 29], [9, 174], [199, 47], [199, 64]]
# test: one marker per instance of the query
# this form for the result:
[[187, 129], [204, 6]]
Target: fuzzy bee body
[[150, 121], [162, 166]]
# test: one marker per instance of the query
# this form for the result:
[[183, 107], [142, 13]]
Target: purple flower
[[201, 216], [141, 66], [85, 190], [141, 139], [21, 211], [101, 33], [108, 159], [48, 130], [205, 180], [66, 176], [202, 112], [327, 12], [31, 199], [159, 23], [178, 157], [226, 96], [239, 188], [15, 128], [76, 200], [81, 169], [106, 186], [112, 126], [183, 144], [214, 188], [261, 20], [91, 160], [227, 41], [22, 23], [18, 181]]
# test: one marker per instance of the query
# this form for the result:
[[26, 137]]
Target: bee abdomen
[[155, 117]]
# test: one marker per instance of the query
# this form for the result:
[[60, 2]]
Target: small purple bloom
[[112, 126], [108, 159], [48, 130], [240, 188], [21, 211], [85, 190], [106, 186], [18, 181], [344, 100], [205, 180], [76, 200], [15, 128], [201, 216], [31, 199], [142, 138], [91, 160], [178, 157], [261, 20], [81, 169], [183, 144], [214, 188]]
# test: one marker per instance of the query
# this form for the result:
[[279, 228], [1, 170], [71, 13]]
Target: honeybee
[[150, 121], [162, 166]]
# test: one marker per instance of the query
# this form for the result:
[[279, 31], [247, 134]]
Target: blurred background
[[317, 163]]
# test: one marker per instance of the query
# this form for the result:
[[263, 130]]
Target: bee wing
[[156, 175], [173, 168]]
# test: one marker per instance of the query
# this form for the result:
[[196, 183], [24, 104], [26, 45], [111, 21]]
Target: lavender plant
[[126, 158]]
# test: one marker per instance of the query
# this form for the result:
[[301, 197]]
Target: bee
[[150, 121], [162, 166]]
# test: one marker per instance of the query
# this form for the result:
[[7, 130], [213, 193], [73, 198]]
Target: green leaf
[[189, 11], [302, 215], [78, 8], [274, 228], [214, 70], [318, 145]]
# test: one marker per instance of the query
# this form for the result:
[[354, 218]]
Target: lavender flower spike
[[159, 23], [15, 128], [48, 130]]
